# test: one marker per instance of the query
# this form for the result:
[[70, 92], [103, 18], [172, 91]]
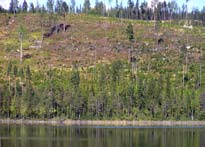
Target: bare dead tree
[[21, 36]]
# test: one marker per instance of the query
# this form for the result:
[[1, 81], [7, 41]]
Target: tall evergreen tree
[[13, 6], [154, 4], [99, 6], [116, 5], [75, 77], [59, 8], [172, 7], [131, 37], [203, 16], [50, 6], [137, 10], [43, 9], [22, 32], [144, 8], [2, 9], [73, 3], [65, 7], [32, 8], [37, 7], [86, 6], [130, 8], [130, 32], [25, 6]]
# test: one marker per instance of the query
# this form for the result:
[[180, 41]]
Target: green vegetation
[[100, 68], [102, 92]]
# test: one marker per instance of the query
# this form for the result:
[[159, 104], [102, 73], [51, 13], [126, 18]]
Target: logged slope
[[92, 39]]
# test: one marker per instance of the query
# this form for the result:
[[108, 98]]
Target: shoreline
[[102, 122]]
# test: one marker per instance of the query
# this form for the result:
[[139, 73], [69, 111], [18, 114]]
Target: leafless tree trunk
[[21, 48], [183, 76], [128, 56], [42, 31], [64, 20], [186, 69], [200, 68]]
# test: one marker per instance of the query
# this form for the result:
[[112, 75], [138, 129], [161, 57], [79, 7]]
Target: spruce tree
[[86, 6], [131, 37], [32, 8], [130, 32], [50, 6], [13, 6], [25, 6], [73, 3]]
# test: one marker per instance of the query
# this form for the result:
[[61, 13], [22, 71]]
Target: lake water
[[65, 136]]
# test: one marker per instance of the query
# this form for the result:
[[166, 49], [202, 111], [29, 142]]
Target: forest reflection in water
[[87, 136]]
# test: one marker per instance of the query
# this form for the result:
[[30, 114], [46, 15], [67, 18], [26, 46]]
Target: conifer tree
[[86, 6], [50, 6], [13, 6], [25, 6]]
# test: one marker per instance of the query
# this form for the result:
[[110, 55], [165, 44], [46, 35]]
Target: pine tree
[[154, 4], [144, 8], [73, 3], [86, 6], [137, 9], [2, 10], [28, 73], [25, 6], [130, 8], [99, 6], [22, 32], [131, 37], [50, 6], [203, 16], [43, 9], [9, 73], [65, 7], [130, 32], [167, 102], [13, 6], [75, 77], [9, 69], [32, 8], [15, 70], [140, 93], [116, 5], [173, 7], [37, 7], [59, 8], [21, 73]]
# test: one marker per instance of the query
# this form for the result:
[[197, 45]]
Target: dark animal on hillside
[[61, 26], [67, 26], [46, 35], [56, 29], [53, 29], [27, 56], [133, 59], [160, 40]]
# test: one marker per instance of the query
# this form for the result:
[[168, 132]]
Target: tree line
[[100, 92], [133, 10]]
